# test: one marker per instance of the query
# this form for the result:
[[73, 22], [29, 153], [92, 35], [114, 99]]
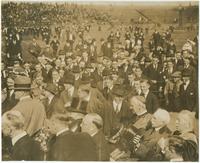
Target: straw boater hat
[[22, 83]]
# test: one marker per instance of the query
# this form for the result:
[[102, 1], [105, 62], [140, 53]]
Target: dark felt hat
[[67, 79], [50, 87]]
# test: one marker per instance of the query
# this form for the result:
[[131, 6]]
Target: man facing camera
[[67, 145], [145, 146], [23, 146]]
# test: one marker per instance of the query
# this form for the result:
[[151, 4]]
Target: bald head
[[91, 123]]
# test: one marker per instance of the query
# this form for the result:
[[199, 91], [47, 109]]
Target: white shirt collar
[[17, 137], [146, 93], [186, 84], [115, 106], [25, 97], [63, 130], [87, 98], [157, 129], [50, 99]]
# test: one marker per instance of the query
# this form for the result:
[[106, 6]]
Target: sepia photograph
[[99, 81]]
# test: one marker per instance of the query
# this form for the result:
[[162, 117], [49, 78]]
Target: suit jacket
[[191, 70], [26, 149], [188, 97], [102, 146], [34, 113], [56, 105], [124, 116], [72, 146], [151, 102], [149, 141]]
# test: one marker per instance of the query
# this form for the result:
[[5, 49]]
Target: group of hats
[[178, 74]]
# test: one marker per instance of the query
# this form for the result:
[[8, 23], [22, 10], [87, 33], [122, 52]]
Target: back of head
[[163, 115], [13, 119], [188, 118]]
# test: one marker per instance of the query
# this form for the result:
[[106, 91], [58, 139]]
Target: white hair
[[163, 115], [188, 118], [14, 118]]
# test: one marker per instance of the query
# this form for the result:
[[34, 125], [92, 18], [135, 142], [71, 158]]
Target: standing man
[[92, 124], [188, 93], [32, 109], [151, 100]]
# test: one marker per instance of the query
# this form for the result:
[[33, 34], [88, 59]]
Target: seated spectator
[[150, 137], [23, 146], [176, 149], [138, 107], [185, 126]]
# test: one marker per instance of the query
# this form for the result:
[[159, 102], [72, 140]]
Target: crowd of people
[[81, 99]]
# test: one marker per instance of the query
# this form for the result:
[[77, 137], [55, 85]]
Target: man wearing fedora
[[70, 91], [119, 109], [52, 103], [172, 92], [32, 109], [188, 92]]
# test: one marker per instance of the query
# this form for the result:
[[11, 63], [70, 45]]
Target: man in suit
[[23, 146], [52, 103], [70, 91], [137, 106], [67, 145], [151, 100], [34, 48], [145, 147], [153, 73], [92, 124], [188, 68], [188, 93], [32, 109], [120, 113]]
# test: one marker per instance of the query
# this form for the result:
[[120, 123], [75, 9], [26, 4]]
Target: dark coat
[[117, 119], [102, 146], [26, 149], [188, 97], [151, 102], [56, 105], [72, 146], [149, 141]]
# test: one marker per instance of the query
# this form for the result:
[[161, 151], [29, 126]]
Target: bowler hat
[[22, 83], [50, 87]]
